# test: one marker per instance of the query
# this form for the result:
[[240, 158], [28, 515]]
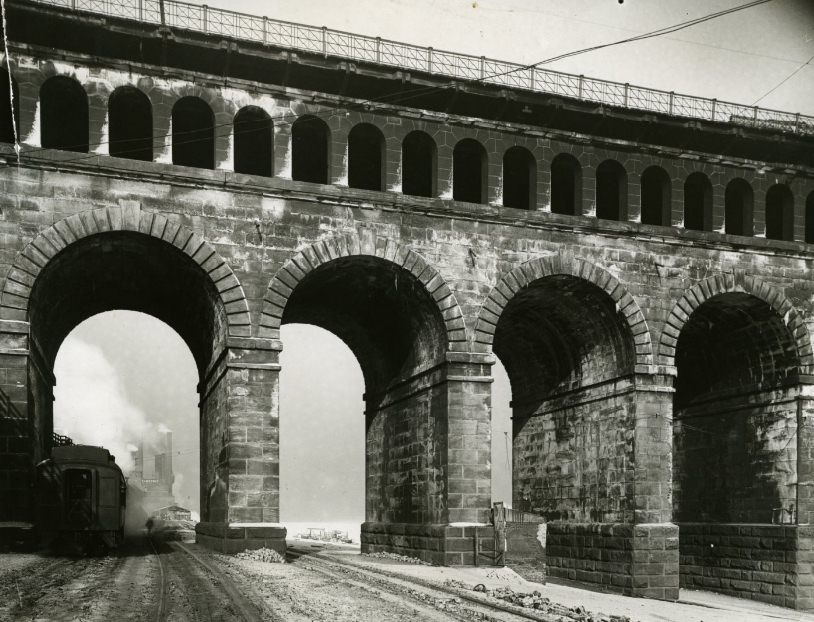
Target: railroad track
[[216, 597], [458, 604]]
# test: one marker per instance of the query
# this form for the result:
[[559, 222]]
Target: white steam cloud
[[91, 404]]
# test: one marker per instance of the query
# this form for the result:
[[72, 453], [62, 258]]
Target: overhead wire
[[782, 82]]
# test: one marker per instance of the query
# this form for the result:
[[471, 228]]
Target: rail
[[272, 32]]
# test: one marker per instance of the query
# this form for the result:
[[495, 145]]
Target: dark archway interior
[[469, 171], [64, 115], [130, 271], [558, 334], [519, 178], [254, 134], [566, 185], [6, 125], [310, 139], [131, 124], [611, 191], [655, 196], [418, 161], [779, 213], [193, 133], [381, 311], [738, 204], [698, 203], [366, 157], [568, 354], [735, 359]]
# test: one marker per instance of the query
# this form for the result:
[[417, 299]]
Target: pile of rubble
[[535, 600], [398, 558], [269, 556]]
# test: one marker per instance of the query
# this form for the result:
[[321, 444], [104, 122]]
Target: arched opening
[[469, 171], [7, 124], [519, 178], [810, 218], [193, 133], [739, 201], [418, 164], [322, 453], [656, 196], [64, 115], [396, 332], [780, 213], [611, 191], [310, 142], [734, 431], [569, 356], [131, 124], [698, 203], [366, 157], [125, 270], [254, 134], [566, 185], [113, 391]]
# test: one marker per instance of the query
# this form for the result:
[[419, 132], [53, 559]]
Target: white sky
[[120, 373]]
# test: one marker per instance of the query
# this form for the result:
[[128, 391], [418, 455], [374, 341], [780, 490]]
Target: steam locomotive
[[80, 498]]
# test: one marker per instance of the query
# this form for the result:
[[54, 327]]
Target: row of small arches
[[64, 124]]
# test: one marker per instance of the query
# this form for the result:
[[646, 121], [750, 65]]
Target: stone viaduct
[[644, 277]]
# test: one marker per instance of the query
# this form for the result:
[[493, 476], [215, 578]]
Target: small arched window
[[6, 124], [656, 193], [519, 178], [193, 133], [64, 115], [310, 140], [780, 213], [739, 202], [611, 191], [130, 116], [366, 157], [566, 185], [253, 141], [698, 203], [418, 163], [469, 171]]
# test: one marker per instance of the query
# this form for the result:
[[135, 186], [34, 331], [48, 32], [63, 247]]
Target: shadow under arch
[[572, 340]]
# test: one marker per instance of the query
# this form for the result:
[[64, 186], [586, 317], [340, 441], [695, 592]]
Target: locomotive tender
[[81, 496]]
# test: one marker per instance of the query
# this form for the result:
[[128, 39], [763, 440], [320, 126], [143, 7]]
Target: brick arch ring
[[368, 244], [525, 274], [35, 256], [702, 291]]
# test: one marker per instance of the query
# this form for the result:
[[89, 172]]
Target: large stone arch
[[558, 264], [726, 283], [353, 244], [14, 300]]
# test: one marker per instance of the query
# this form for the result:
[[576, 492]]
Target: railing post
[[378, 49], [797, 123], [325, 41], [482, 67], [627, 91], [265, 30], [141, 10], [73, 4], [429, 60], [672, 97], [714, 106], [581, 80], [205, 18], [533, 74], [754, 117]]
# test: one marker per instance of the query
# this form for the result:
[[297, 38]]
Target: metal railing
[[201, 18]]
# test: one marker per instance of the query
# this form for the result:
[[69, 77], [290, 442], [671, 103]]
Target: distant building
[[156, 487], [173, 512]]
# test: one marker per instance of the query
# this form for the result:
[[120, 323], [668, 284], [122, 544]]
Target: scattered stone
[[270, 556], [399, 558]]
